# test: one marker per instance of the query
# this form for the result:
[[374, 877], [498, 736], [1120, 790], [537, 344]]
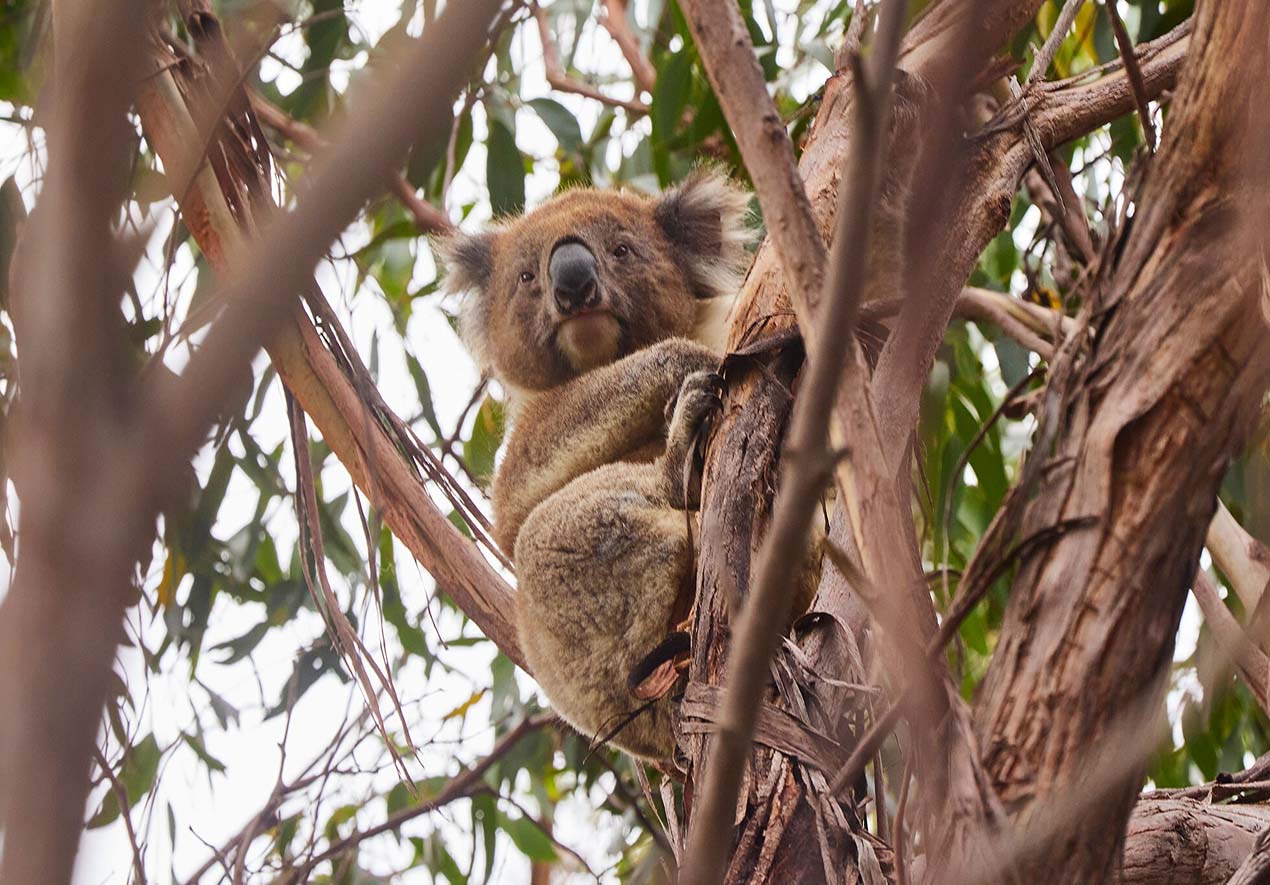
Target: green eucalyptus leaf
[[529, 838], [486, 437], [561, 122], [504, 170]]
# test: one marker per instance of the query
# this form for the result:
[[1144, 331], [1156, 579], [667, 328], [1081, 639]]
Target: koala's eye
[[526, 276], [621, 251]]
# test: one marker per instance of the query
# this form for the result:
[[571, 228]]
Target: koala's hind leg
[[600, 565]]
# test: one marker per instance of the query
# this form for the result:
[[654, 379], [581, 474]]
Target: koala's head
[[591, 276]]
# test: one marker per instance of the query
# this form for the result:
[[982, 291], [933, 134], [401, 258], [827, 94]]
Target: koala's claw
[[699, 395]]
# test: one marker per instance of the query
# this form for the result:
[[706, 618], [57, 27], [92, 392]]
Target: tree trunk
[[1164, 396]]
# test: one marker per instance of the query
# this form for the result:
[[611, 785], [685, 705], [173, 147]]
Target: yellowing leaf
[[173, 571], [462, 708]]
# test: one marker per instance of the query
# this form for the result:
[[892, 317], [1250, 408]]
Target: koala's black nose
[[574, 281]]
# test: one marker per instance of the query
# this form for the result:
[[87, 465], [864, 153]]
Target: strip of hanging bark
[[774, 727], [260, 290], [558, 77], [82, 522], [1092, 619], [343, 637], [310, 371], [1125, 45], [83, 527]]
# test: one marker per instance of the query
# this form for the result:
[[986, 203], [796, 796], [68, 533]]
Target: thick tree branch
[[1252, 662], [84, 527], [983, 188], [728, 55], [80, 530], [1188, 840], [1255, 870], [619, 29], [1133, 72], [1244, 559], [260, 291]]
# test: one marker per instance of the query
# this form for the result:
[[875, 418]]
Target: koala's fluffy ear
[[468, 263], [468, 260], [704, 218]]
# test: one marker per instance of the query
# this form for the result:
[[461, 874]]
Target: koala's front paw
[[699, 397]]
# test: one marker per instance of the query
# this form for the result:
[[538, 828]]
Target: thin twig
[[125, 812], [460, 786], [560, 79], [544, 829], [428, 218], [899, 846], [619, 28], [1041, 63]]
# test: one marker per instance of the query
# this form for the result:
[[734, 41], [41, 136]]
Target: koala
[[590, 311]]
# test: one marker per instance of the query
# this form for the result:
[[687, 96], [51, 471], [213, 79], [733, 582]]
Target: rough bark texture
[[1188, 840], [1167, 393], [774, 836]]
